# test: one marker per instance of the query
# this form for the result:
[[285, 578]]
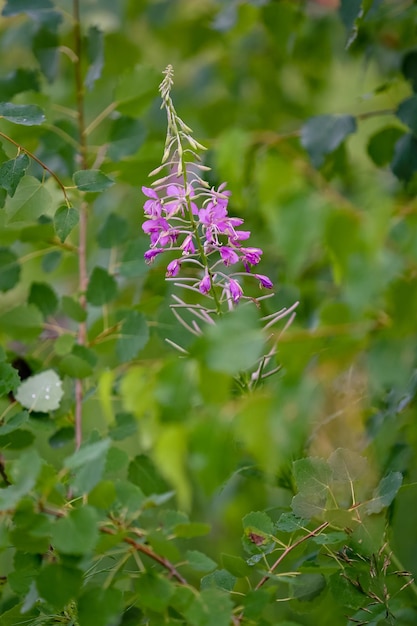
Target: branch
[[39, 162]]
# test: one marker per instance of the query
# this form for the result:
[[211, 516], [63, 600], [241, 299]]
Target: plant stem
[[82, 242]]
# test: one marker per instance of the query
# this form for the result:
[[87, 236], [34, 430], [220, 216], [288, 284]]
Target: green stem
[[82, 241]]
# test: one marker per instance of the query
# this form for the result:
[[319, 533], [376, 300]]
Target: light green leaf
[[200, 562], [73, 309], [30, 201], [23, 322], [220, 579], [75, 366], [65, 219], [88, 453], [58, 584], [42, 392], [347, 465], [100, 606], [77, 533], [11, 173], [25, 114], [92, 180]]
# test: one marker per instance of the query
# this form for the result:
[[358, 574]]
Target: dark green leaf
[[126, 137], [126, 425], [51, 261], [113, 232], [258, 521], [142, 472], [407, 113], [254, 603], [236, 565], [409, 68], [289, 523], [102, 495], [9, 269], [65, 219], [322, 134], [404, 163], [312, 475], [46, 49], [25, 114], [95, 52], [62, 437], [11, 172], [100, 606], [19, 81], [92, 180], [133, 264], [15, 422], [212, 608], [23, 322], [17, 440], [306, 587], [59, 584], [381, 145], [101, 287], [385, 493], [88, 453], [43, 297], [350, 11], [192, 529], [75, 366], [14, 7], [134, 336], [77, 533]]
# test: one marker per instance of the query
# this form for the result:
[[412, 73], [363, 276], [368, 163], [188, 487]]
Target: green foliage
[[265, 473]]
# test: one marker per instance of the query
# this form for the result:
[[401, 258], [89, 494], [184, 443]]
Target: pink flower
[[173, 268], [205, 284], [264, 281], [251, 255], [235, 289], [228, 255], [153, 206], [151, 254]]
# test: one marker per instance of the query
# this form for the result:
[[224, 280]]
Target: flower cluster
[[183, 214]]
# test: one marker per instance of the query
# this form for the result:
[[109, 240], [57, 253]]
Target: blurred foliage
[[309, 110]]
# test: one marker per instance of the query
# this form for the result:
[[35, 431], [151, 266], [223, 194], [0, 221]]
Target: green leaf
[[43, 297], [45, 45], [134, 336], [75, 366], [125, 426], [42, 392], [76, 534], [236, 565], [88, 453], [23, 474], [95, 53], [101, 287], [127, 134], [142, 472], [14, 7], [381, 145], [62, 437], [312, 475], [221, 579], [113, 232], [407, 113], [51, 260], [258, 521], [24, 114], [200, 562], [404, 163], [11, 173], [15, 422], [191, 529], [88, 465], [133, 264], [58, 584], [222, 348], [347, 466], [409, 68], [385, 493], [9, 379], [30, 201], [322, 134], [254, 603], [213, 607], [136, 89], [23, 322], [64, 344], [102, 495], [100, 606], [350, 13], [73, 309], [306, 587], [154, 592], [65, 219], [18, 81], [92, 180], [9, 269], [288, 522]]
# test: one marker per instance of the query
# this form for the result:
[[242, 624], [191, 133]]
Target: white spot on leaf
[[42, 392]]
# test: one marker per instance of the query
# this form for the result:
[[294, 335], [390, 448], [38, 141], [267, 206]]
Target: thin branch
[[289, 549], [41, 163]]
